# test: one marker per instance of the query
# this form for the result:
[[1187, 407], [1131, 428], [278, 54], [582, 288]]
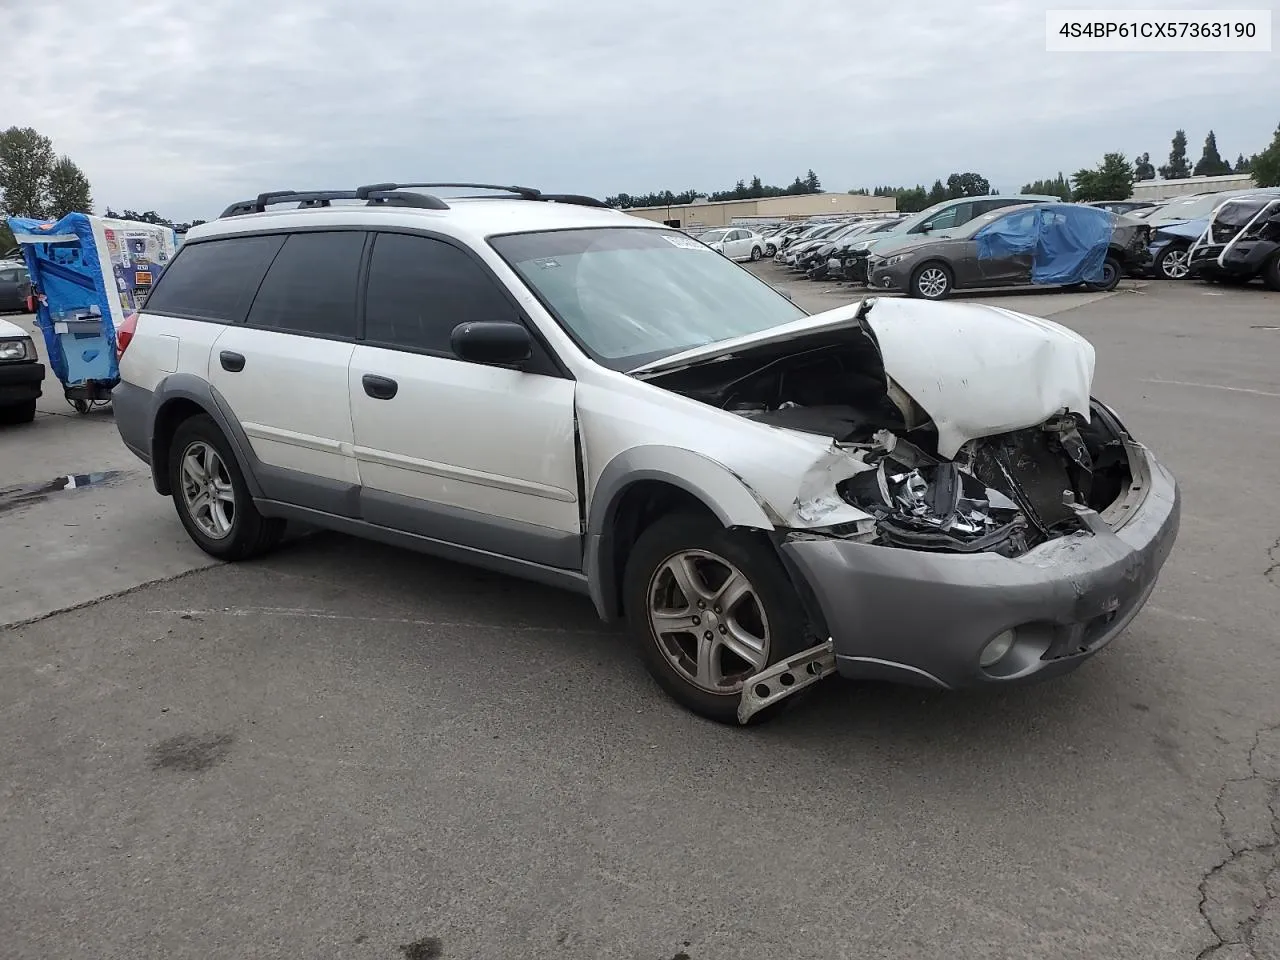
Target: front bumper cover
[[925, 618], [20, 381]]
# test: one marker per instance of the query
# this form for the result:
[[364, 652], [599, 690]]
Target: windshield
[[711, 236], [632, 295]]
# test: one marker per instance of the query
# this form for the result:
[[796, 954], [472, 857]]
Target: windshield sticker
[[547, 263], [685, 243]]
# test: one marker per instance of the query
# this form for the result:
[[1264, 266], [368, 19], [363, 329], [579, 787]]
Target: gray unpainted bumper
[[925, 618]]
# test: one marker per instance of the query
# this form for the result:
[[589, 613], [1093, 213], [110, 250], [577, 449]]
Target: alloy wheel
[[207, 491], [932, 282], [1174, 264], [708, 621]]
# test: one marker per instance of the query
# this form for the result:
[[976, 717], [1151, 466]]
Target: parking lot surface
[[344, 750]]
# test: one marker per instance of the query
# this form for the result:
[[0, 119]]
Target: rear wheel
[[932, 281], [1172, 262], [1271, 272], [709, 608], [1111, 273], [756, 254], [211, 497]]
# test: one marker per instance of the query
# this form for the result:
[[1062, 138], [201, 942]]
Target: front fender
[[715, 485]]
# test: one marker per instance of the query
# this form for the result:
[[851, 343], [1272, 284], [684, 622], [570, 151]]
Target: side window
[[214, 279], [944, 219], [420, 289], [311, 286], [964, 213]]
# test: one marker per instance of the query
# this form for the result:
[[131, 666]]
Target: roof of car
[[471, 217]]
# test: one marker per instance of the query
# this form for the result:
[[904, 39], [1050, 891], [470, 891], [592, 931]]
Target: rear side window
[[214, 279], [311, 286], [420, 289]]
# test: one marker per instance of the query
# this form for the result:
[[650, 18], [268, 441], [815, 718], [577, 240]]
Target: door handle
[[380, 388], [231, 362]]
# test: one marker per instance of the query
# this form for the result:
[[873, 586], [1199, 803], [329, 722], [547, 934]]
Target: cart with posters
[[87, 275]]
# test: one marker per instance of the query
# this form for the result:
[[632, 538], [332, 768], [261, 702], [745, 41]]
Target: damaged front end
[[955, 431], [1004, 494]]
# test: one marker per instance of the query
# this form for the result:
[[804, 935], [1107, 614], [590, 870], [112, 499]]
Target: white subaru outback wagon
[[895, 490]]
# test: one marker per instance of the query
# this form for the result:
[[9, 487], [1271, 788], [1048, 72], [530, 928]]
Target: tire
[[756, 254], [1111, 274], [1172, 262], [1271, 272], [771, 250], [243, 534], [768, 613], [932, 281], [15, 413]]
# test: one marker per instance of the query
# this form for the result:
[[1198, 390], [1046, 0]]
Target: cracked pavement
[[348, 751]]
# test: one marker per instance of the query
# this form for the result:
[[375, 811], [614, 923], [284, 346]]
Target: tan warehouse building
[[721, 213]]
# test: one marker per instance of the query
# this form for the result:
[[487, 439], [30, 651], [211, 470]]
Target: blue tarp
[[1067, 242], [66, 273]]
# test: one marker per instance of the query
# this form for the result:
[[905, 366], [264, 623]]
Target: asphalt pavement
[[345, 750]]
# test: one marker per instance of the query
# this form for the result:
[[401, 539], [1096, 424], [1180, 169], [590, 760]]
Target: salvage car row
[[1039, 240]]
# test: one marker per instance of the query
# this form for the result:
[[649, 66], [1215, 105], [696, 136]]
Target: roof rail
[[394, 195], [377, 195], [524, 193]]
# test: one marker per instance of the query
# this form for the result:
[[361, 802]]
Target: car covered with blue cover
[[1042, 244]]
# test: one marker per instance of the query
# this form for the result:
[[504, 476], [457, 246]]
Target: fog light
[[994, 651]]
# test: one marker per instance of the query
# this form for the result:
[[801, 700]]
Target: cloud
[[183, 108]]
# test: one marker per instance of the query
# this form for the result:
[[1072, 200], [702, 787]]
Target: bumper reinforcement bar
[[786, 677]]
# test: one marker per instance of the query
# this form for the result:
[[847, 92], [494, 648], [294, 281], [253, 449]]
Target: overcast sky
[[183, 108]]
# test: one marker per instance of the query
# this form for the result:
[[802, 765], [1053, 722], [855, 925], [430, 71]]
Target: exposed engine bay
[[1004, 494]]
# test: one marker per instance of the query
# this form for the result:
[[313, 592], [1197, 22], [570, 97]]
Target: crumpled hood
[[974, 370]]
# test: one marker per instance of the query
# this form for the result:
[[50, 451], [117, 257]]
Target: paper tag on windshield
[[686, 243]]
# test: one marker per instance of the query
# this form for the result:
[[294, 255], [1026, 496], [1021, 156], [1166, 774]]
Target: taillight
[[124, 333]]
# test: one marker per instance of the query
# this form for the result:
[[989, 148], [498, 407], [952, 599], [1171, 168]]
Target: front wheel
[[931, 282], [1172, 262], [211, 497], [709, 608], [771, 250], [23, 412], [1271, 273]]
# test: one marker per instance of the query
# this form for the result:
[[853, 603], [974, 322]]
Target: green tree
[[967, 185], [1176, 168], [1242, 165], [937, 193], [1211, 163], [68, 189], [1265, 166], [1143, 169], [26, 157], [1057, 187], [812, 183], [1112, 179], [756, 189]]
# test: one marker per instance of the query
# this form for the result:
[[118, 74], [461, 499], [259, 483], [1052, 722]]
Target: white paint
[[1214, 386], [976, 370], [496, 441], [291, 396]]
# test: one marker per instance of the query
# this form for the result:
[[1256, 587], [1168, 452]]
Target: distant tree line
[[152, 217], [35, 182], [914, 199], [1114, 177], [742, 190]]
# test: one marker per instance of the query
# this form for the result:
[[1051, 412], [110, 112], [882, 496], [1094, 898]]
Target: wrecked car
[[1043, 244], [897, 490], [1239, 243]]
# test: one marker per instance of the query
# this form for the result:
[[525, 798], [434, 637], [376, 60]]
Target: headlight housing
[[19, 348], [890, 261]]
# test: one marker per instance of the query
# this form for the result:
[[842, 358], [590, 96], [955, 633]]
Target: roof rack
[[395, 195], [524, 193], [374, 196]]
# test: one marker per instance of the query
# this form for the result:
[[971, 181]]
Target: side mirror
[[926, 227], [499, 343]]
